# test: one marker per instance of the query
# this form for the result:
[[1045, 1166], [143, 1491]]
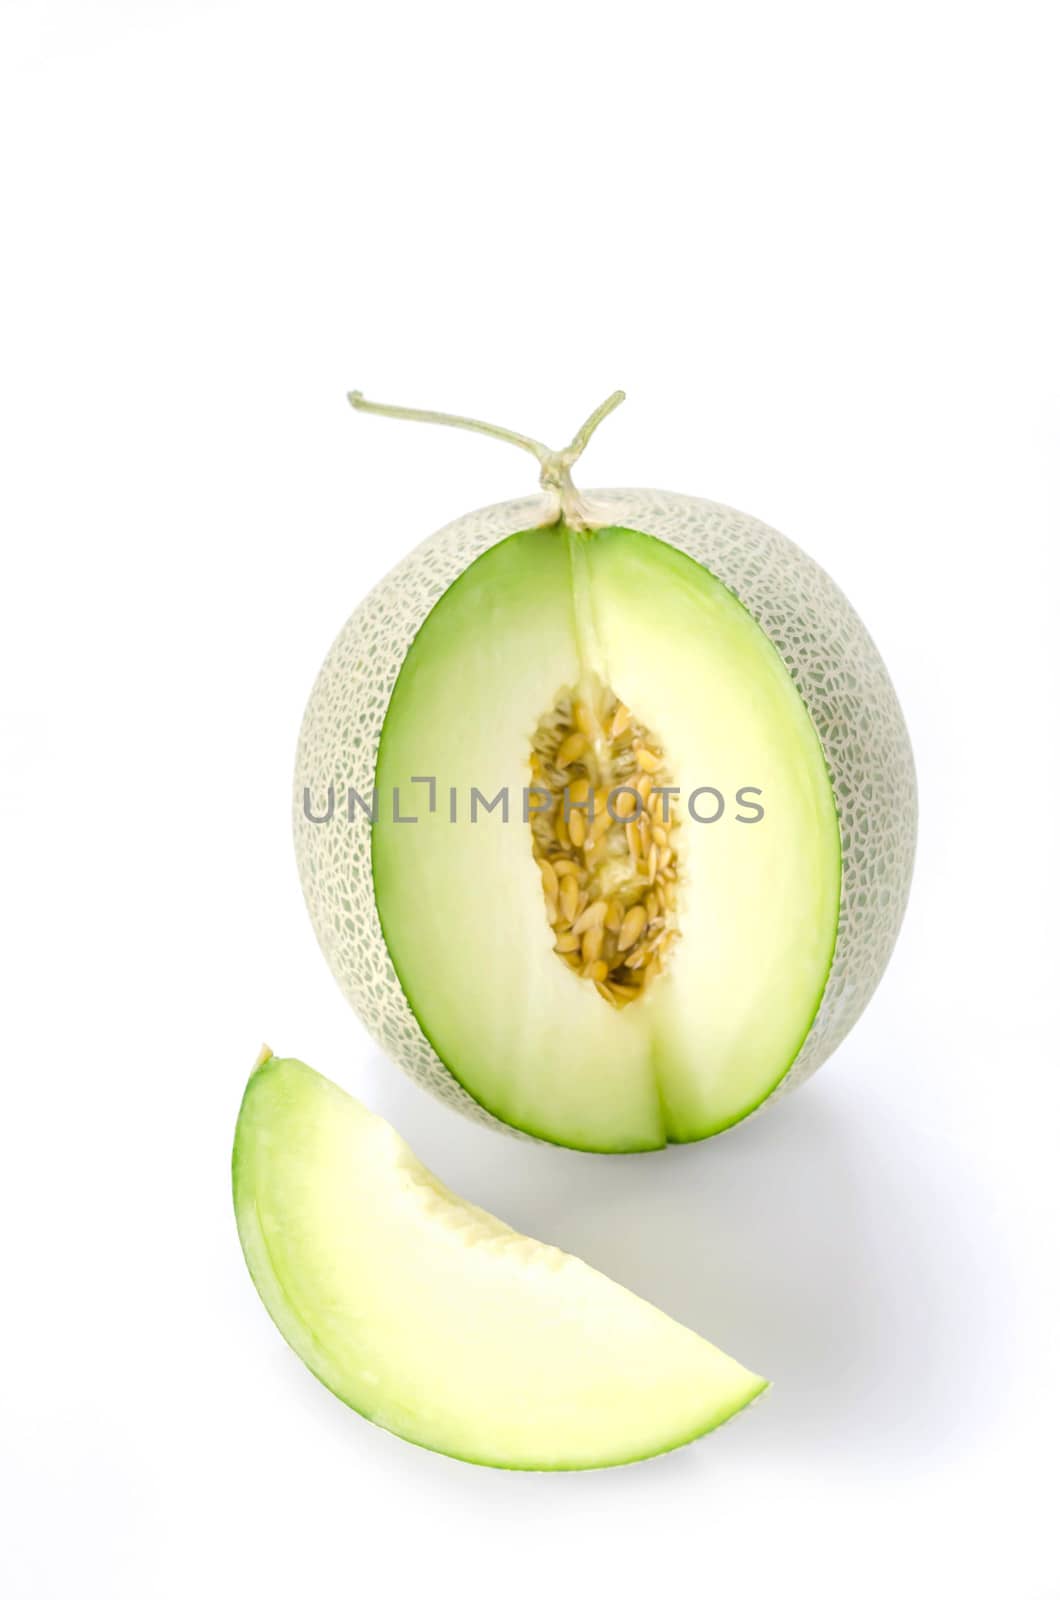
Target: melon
[[438, 1322], [605, 811]]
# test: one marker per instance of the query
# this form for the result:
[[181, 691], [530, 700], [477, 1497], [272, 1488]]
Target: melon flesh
[[438, 1322], [461, 906]]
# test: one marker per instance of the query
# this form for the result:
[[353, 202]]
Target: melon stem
[[555, 464]]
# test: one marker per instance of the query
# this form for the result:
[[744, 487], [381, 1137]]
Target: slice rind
[[437, 1321]]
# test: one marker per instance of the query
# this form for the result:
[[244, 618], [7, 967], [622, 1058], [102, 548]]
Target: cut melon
[[496, 701], [462, 906], [435, 1320]]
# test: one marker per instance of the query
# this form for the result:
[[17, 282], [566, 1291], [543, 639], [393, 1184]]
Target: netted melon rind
[[819, 636]]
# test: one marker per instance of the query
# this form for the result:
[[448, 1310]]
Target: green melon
[[438, 1322], [552, 653]]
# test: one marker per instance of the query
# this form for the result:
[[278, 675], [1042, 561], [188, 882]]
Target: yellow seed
[[651, 906], [591, 917], [644, 787], [669, 891], [600, 826], [562, 833], [653, 862], [568, 897], [578, 791], [576, 828], [633, 924], [552, 909], [647, 761], [604, 991], [659, 835], [632, 840], [566, 942], [563, 866], [622, 991], [665, 856], [573, 746], [549, 881], [621, 721], [613, 919], [592, 854], [625, 803], [582, 717], [592, 943], [598, 971], [657, 809]]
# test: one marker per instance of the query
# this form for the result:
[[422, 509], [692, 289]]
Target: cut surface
[[547, 616], [438, 1322]]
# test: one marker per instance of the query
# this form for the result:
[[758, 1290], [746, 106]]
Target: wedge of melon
[[435, 1320]]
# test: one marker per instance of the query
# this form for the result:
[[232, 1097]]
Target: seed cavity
[[606, 844]]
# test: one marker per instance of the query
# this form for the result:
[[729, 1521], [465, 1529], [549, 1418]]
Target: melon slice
[[435, 1320]]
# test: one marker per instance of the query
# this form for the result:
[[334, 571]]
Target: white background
[[817, 244]]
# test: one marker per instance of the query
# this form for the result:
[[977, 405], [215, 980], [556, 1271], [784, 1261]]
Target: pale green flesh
[[437, 1321], [461, 905]]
